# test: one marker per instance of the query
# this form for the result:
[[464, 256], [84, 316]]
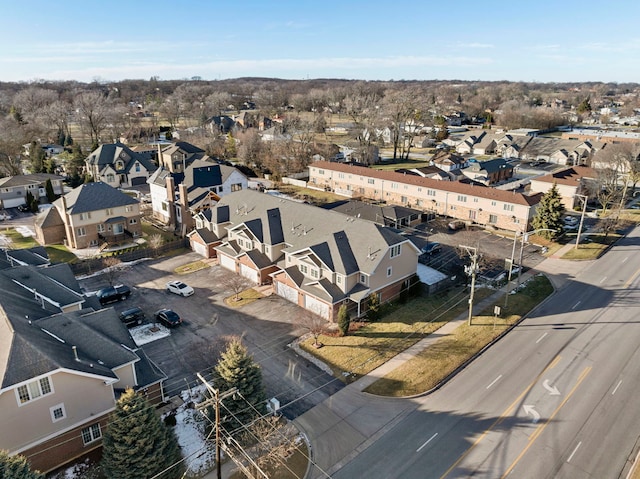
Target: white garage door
[[200, 248], [228, 262], [287, 292], [249, 273], [13, 202], [315, 306]]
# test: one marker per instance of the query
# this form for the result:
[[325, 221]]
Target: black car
[[132, 316], [113, 293], [168, 318]]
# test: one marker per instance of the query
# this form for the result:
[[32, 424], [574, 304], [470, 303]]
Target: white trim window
[[81, 231], [91, 434], [33, 390], [389, 271], [57, 412], [395, 250]]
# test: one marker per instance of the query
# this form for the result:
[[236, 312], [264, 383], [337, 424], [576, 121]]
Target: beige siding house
[[93, 214], [315, 258], [571, 182], [478, 204], [14, 189]]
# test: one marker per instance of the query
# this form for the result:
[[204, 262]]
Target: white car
[[571, 220], [178, 287]]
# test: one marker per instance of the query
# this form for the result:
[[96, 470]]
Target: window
[[164, 206], [389, 271], [493, 219], [475, 200], [418, 202], [82, 232], [338, 279], [109, 211], [91, 434], [236, 187], [321, 172], [128, 208], [137, 167], [431, 192], [341, 176], [403, 199], [395, 250], [110, 178], [462, 198], [364, 279], [85, 216], [33, 390], [315, 273], [101, 228], [133, 221], [394, 186], [508, 207], [118, 229], [493, 203], [57, 412], [303, 269], [371, 181]]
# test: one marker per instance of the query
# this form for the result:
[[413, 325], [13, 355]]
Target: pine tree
[[16, 467], [549, 214], [137, 443], [51, 195], [343, 319], [237, 369]]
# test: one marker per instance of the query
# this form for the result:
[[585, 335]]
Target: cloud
[[475, 45]]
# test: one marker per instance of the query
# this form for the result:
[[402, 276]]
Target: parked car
[[168, 317], [132, 316], [178, 287], [571, 220], [111, 294], [456, 225], [431, 248]]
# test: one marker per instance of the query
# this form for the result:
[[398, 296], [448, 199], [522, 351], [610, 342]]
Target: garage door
[[228, 262], [199, 248], [249, 273], [287, 292], [13, 202], [316, 306]]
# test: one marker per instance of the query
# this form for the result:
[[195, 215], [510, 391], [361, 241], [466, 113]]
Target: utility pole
[[215, 400], [473, 253], [584, 199]]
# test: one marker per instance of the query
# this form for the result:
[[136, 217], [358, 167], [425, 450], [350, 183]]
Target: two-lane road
[[556, 398]]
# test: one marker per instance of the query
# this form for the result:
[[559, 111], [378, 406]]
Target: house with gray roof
[[14, 189], [316, 258], [119, 166], [64, 361], [93, 214], [488, 172]]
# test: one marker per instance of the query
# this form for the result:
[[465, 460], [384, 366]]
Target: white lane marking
[[541, 338], [616, 388], [574, 451], [494, 381], [428, 441], [576, 305], [602, 280]]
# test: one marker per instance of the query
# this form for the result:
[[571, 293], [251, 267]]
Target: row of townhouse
[[64, 361], [14, 189], [316, 258], [465, 201]]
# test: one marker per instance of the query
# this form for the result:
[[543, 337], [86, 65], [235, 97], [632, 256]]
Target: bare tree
[[237, 284], [155, 242], [112, 268], [314, 324], [92, 109]]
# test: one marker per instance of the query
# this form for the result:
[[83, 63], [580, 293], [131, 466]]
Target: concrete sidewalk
[[350, 420]]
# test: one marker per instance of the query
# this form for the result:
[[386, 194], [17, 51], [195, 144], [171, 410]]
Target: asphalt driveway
[[266, 326]]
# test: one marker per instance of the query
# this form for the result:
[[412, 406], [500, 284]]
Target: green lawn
[[435, 363], [372, 344]]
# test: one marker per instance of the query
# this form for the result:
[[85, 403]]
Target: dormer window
[[315, 273], [304, 269], [119, 165]]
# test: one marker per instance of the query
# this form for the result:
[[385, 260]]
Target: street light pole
[[474, 267], [584, 199]]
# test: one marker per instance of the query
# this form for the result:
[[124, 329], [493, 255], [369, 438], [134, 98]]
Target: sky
[[490, 40]]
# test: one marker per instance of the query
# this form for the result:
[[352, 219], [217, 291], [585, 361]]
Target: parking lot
[[266, 326]]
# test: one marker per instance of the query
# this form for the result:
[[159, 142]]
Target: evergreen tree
[[31, 202], [137, 444], [230, 146], [237, 369], [61, 137], [549, 214], [343, 319], [16, 467], [584, 106], [68, 141], [37, 157], [373, 313], [51, 196]]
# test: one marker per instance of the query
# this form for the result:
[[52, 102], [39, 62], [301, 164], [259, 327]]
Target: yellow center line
[[632, 279], [501, 418], [541, 428]]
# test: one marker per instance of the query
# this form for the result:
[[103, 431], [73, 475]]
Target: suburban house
[[488, 172], [201, 181], [119, 166], [430, 171], [64, 361], [558, 151], [449, 162], [392, 216], [468, 202], [93, 214], [14, 189], [316, 258], [571, 183]]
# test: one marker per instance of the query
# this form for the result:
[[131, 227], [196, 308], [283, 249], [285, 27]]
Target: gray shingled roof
[[351, 244], [107, 154], [94, 197]]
